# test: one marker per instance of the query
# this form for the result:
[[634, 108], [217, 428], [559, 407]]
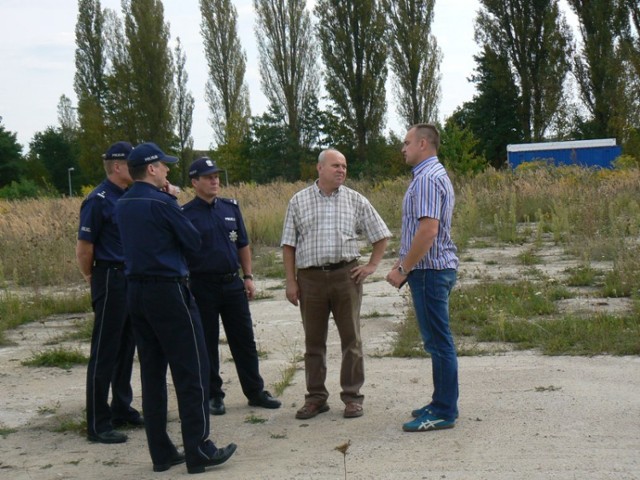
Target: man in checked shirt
[[320, 254]]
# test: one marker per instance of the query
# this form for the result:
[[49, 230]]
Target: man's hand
[[250, 288], [361, 272], [293, 292], [395, 278]]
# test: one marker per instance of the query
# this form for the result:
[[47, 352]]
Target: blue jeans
[[430, 290]]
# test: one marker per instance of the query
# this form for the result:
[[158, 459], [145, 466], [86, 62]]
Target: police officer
[[217, 287], [155, 236], [101, 261]]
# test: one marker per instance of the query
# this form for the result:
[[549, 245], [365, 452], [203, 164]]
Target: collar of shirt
[[423, 165], [322, 194], [203, 203], [112, 186]]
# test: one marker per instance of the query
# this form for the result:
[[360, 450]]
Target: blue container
[[587, 153]]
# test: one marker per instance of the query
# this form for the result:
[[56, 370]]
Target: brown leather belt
[[333, 266]]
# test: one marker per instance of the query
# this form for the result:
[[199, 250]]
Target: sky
[[37, 47]]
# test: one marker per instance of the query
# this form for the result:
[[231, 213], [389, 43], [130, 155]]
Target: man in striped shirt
[[320, 239], [428, 262]]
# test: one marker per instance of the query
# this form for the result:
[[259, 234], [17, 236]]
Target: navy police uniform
[[155, 236], [112, 341], [219, 290]]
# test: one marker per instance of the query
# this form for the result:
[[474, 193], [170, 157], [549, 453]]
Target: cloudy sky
[[37, 44]]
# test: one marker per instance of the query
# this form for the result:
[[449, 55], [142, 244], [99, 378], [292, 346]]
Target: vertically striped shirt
[[324, 229], [430, 194]]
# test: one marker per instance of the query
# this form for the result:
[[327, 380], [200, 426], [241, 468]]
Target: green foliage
[[457, 150], [11, 163], [152, 70], [414, 58], [59, 357], [536, 40], [20, 190], [58, 154], [492, 115], [351, 36], [226, 91]]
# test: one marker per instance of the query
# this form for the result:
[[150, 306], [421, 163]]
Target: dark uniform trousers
[[112, 350], [167, 327], [223, 296]]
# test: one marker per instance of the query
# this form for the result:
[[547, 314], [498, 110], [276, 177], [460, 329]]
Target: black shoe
[[176, 459], [265, 400], [133, 422], [216, 406], [219, 457], [111, 436]]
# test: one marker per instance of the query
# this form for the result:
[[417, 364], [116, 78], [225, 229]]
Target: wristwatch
[[402, 270], [247, 277]]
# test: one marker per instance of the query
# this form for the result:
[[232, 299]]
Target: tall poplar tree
[[536, 40], [226, 91], [599, 66], [290, 78], [121, 103], [184, 104], [90, 85], [415, 59], [352, 37], [152, 70]]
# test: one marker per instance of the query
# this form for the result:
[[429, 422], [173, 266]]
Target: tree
[[535, 38], [351, 37], [599, 68], [152, 70], [11, 162], [184, 104], [458, 150], [90, 85], [226, 91], [288, 66], [58, 155], [415, 59], [492, 114]]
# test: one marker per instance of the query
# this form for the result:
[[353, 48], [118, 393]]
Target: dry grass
[[593, 212]]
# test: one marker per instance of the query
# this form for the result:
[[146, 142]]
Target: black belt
[[156, 279], [332, 266], [215, 277], [107, 264]]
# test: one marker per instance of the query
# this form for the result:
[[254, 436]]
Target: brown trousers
[[322, 293]]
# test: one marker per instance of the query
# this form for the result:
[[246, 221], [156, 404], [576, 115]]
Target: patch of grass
[[268, 263], [253, 419], [529, 257], [581, 276], [286, 377], [573, 335], [70, 423], [278, 436], [479, 305], [6, 431], [57, 357], [16, 310], [374, 314]]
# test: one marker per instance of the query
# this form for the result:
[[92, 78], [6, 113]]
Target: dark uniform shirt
[[155, 233], [98, 223], [223, 233]]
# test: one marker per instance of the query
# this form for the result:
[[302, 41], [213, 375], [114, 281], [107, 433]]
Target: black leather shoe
[[112, 436], [219, 457], [216, 406], [265, 400], [176, 459], [134, 422]]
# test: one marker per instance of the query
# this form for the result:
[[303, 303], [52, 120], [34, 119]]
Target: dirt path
[[522, 415]]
